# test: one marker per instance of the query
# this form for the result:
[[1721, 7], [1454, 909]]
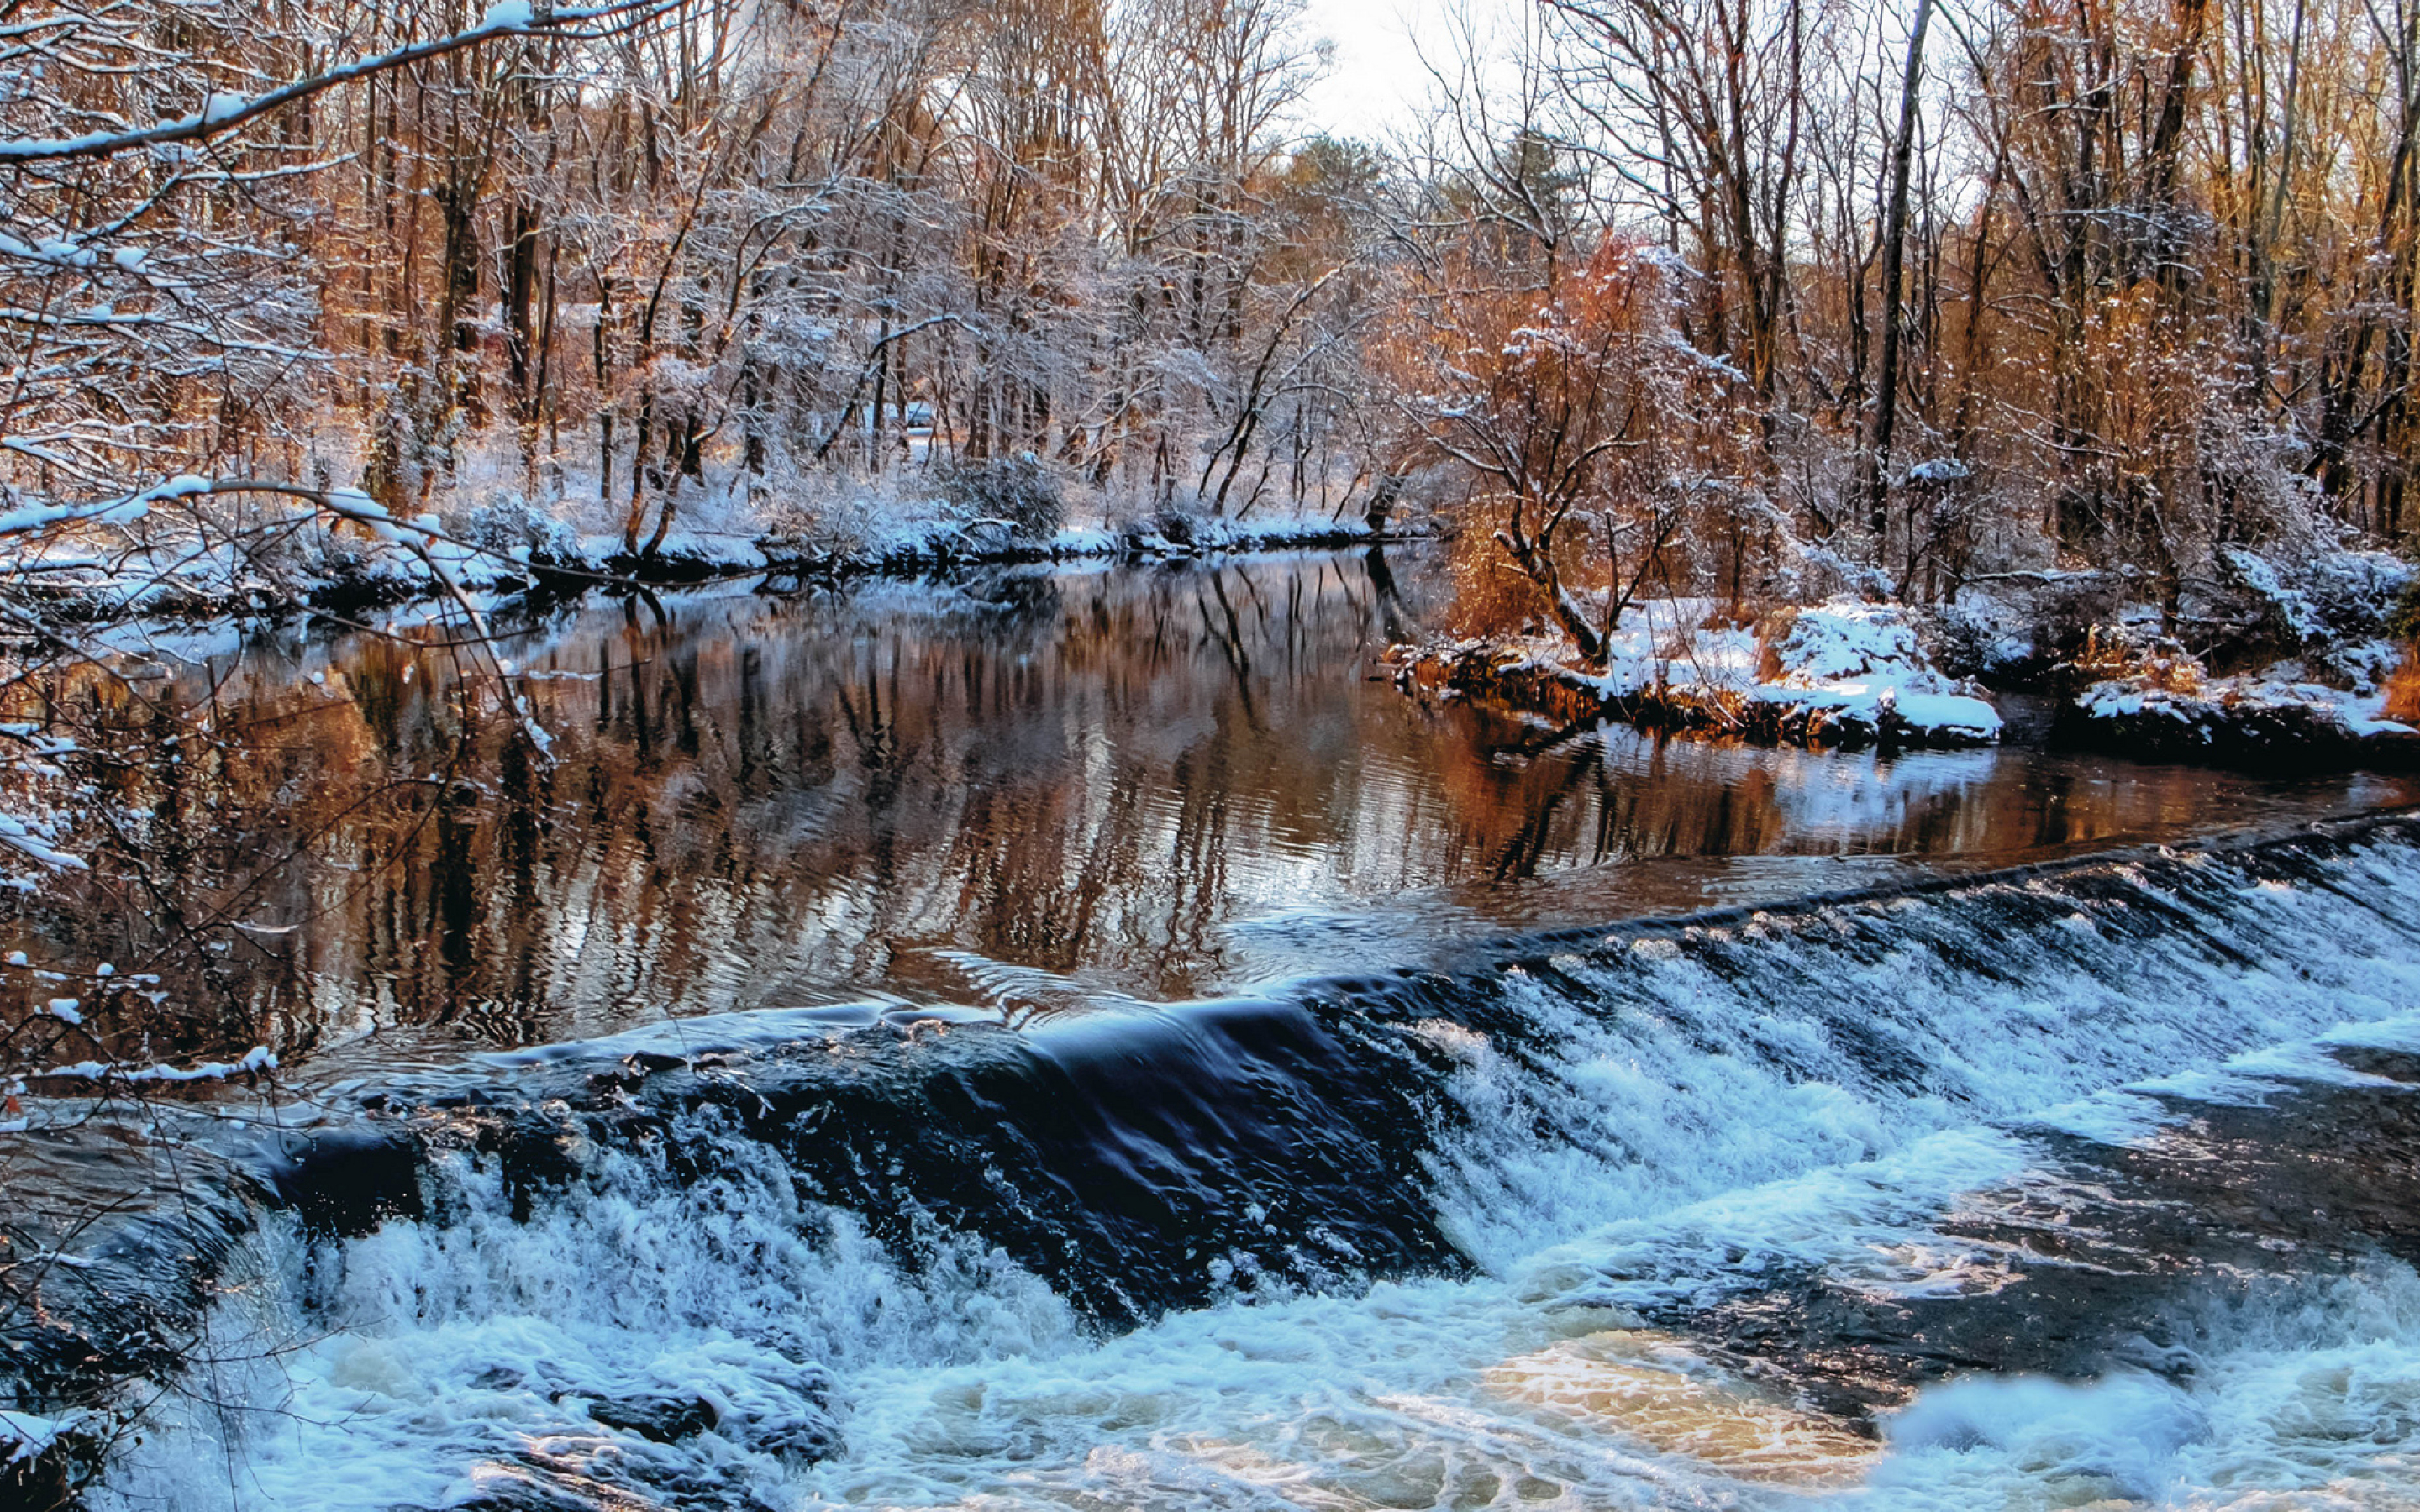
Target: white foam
[[1681, 1135], [1703, 1083], [2310, 1403]]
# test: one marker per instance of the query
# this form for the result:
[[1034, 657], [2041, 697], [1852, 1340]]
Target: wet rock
[[664, 1419], [804, 1439], [348, 1181]]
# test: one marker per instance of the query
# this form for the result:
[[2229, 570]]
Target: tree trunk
[[1878, 457]]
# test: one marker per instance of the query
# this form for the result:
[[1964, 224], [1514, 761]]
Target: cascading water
[[2091, 1184]]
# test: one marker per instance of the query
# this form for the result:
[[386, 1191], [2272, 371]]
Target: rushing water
[[1077, 1040]]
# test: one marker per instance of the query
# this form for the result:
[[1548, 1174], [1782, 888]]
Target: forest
[[2059, 316], [665, 841]]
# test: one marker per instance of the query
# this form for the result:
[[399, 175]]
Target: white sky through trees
[[1377, 79]]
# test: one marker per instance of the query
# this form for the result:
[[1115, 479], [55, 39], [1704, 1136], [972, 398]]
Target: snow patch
[[30, 1435], [2285, 695], [1840, 667]]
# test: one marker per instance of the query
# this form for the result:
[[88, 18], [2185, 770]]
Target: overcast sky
[[1378, 80], [1377, 76]]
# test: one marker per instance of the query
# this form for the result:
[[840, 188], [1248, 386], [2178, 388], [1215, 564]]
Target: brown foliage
[[2111, 655], [1584, 426], [1492, 597], [2403, 690]]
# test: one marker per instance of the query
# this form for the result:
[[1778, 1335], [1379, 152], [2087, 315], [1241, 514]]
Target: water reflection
[[1029, 788]]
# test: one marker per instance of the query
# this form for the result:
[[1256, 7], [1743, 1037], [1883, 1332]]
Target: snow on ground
[[195, 544], [2285, 695], [1843, 668], [168, 569], [1860, 661], [2310, 636], [28, 1436]]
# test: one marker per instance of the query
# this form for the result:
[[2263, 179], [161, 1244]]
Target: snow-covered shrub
[[1847, 664], [1174, 524], [2307, 658], [1985, 635], [1845, 642], [510, 524], [2323, 595], [1016, 491]]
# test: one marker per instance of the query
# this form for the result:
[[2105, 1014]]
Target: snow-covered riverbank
[[2335, 681], [1839, 673], [324, 564]]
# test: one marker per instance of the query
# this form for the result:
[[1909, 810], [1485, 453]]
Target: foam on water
[[443, 1360], [971, 1390], [2310, 1402], [1633, 1131], [1731, 1054]]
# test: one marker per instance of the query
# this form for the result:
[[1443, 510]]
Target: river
[[1080, 1037]]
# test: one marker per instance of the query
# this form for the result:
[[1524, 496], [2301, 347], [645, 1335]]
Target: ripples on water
[[2085, 1188], [1016, 794]]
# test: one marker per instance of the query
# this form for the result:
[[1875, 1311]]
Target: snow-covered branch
[[222, 111]]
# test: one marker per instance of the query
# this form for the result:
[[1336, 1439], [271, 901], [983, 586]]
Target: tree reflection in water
[[1015, 792]]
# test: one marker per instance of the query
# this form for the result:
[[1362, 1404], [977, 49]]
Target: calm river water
[[1014, 793]]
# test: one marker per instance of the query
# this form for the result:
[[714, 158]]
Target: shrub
[[2403, 690], [2116, 653], [2403, 621], [1013, 491], [1491, 596], [507, 522]]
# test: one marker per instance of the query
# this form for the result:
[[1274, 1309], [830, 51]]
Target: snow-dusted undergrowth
[[1842, 672], [2332, 653], [214, 544]]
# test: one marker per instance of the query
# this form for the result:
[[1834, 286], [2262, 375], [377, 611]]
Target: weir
[[1808, 1152]]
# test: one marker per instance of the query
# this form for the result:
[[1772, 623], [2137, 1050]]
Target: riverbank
[[2288, 714], [1846, 675], [1843, 674], [333, 572]]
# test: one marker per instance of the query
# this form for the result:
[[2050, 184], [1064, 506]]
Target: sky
[[1378, 80]]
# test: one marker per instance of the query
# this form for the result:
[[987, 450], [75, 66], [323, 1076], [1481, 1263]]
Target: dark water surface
[[704, 1118], [1005, 795]]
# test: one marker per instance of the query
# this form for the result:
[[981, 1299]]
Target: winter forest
[[780, 755], [1757, 299]]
